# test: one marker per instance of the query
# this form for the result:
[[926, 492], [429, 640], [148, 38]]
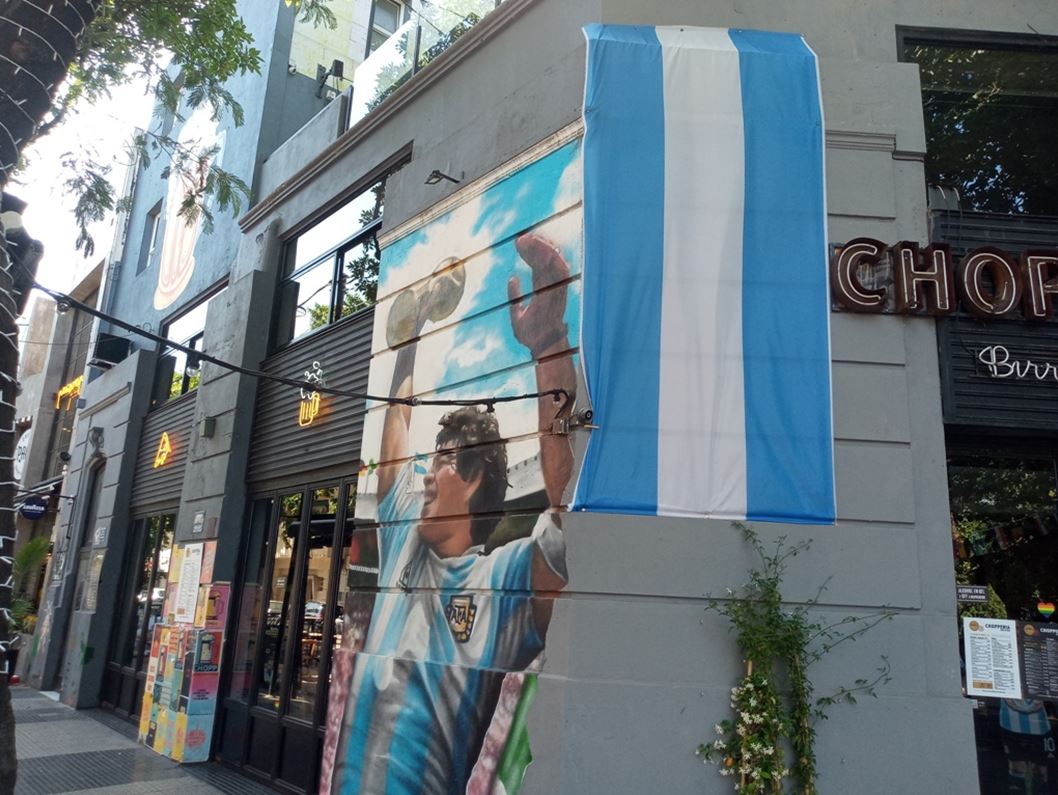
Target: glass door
[[142, 607], [276, 696], [1004, 525]]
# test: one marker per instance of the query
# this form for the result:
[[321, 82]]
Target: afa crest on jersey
[[460, 614]]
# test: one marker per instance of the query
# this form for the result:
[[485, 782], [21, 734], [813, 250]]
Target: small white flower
[[719, 728]]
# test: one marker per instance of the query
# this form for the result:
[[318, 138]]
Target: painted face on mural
[[445, 494]]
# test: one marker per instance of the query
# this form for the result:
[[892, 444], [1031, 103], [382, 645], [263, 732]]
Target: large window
[[178, 373], [331, 270], [1004, 525], [386, 17], [991, 109]]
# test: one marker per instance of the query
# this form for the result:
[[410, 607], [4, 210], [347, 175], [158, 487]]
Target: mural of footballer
[[450, 619]]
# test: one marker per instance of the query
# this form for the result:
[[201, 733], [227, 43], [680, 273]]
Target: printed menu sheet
[[991, 647], [1039, 660]]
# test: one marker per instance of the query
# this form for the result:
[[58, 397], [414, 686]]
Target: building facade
[[279, 511]]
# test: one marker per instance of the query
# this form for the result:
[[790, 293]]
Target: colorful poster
[[209, 555], [991, 653], [481, 302]]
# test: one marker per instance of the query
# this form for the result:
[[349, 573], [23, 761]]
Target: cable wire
[[561, 396]]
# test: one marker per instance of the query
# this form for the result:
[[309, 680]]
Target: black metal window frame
[[291, 635], [337, 283], [281, 337], [163, 391]]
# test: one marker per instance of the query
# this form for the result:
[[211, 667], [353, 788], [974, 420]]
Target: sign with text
[[1039, 660], [991, 647], [971, 593], [866, 275]]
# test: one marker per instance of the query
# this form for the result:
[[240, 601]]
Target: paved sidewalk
[[66, 750]]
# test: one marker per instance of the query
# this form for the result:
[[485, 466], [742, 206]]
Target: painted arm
[[540, 326], [395, 439]]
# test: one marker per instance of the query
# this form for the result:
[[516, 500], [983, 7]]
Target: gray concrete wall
[[70, 646], [637, 672]]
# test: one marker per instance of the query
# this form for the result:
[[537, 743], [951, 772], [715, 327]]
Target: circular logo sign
[[22, 452], [34, 507]]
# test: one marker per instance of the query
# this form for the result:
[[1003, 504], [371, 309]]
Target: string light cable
[[562, 397]]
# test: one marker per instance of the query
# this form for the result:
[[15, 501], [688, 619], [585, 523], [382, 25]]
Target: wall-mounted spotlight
[[437, 175], [337, 70]]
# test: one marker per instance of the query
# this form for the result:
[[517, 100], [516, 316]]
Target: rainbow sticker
[[1046, 609]]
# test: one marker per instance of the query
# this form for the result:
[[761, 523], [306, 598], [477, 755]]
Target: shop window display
[[1004, 524]]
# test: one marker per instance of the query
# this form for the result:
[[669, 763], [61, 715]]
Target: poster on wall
[[467, 551], [187, 587], [991, 654]]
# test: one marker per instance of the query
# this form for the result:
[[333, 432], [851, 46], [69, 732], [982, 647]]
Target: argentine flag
[[705, 331]]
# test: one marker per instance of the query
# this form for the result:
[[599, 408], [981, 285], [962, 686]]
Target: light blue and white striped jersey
[[443, 633]]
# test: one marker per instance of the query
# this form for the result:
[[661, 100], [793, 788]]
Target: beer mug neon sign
[[309, 406]]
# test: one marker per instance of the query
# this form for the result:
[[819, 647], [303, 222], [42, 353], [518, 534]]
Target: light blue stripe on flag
[[785, 311], [623, 206], [706, 408]]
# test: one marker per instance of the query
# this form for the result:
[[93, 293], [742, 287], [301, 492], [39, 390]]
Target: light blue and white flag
[[705, 333]]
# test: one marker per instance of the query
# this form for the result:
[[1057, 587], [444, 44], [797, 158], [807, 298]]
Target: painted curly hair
[[475, 436]]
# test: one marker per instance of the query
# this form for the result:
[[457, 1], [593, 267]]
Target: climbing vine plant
[[768, 744]]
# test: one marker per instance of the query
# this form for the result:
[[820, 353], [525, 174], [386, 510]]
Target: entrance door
[[289, 623], [1004, 520], [141, 607]]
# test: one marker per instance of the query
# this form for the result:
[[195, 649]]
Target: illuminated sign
[[69, 392], [164, 450], [309, 405], [866, 275]]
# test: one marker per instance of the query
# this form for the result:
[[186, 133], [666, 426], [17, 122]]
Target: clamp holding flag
[[705, 331]]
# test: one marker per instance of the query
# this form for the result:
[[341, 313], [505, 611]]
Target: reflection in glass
[[279, 594], [335, 229], [250, 600], [152, 578], [1005, 535], [1005, 531], [990, 116], [316, 576], [306, 299]]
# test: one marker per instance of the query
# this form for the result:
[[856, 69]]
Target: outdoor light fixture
[[437, 175], [194, 364], [62, 307], [337, 70]]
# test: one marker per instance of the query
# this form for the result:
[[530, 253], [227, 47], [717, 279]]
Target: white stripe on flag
[[701, 411]]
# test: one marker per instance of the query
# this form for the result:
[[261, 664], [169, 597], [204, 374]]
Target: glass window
[[177, 376], [1004, 526], [316, 578], [990, 115], [331, 270], [250, 600], [385, 19], [280, 597], [149, 244]]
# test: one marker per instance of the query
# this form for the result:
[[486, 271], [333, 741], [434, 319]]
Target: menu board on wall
[[1039, 660], [187, 587], [991, 647]]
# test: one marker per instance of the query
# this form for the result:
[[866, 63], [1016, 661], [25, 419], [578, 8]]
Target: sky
[[104, 129]]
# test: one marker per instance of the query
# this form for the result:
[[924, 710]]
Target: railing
[[432, 29]]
